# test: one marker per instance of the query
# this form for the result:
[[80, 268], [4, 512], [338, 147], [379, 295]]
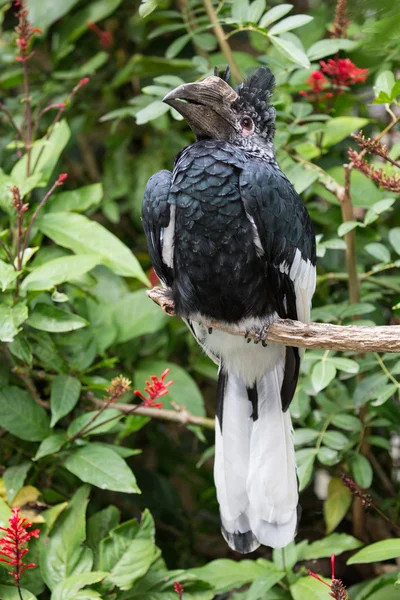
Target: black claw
[[248, 340], [210, 329], [264, 343]]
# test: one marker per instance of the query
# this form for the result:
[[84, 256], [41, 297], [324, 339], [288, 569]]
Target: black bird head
[[214, 110]]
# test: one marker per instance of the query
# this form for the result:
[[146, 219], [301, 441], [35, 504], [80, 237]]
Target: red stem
[[28, 120]]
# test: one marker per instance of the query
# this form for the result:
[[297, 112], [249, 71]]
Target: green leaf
[[147, 7], [305, 436], [50, 445], [344, 364], [261, 586], [134, 563], [65, 391], [59, 270], [337, 504], [106, 421], [378, 208], [394, 239], [77, 200], [83, 236], [7, 275], [151, 111], [362, 470], [100, 524], [347, 422], [385, 550], [14, 478], [10, 320], [43, 13], [308, 588], [335, 440], [48, 158], [339, 128], [49, 318], [63, 553], [10, 592], [103, 468], [21, 416], [67, 589], [328, 47], [305, 467], [290, 23], [135, 315], [177, 46], [346, 227], [322, 374], [291, 51], [378, 251], [21, 348], [256, 11], [275, 13], [336, 543], [225, 574], [384, 83]]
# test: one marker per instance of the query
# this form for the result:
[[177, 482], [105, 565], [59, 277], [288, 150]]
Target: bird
[[232, 242]]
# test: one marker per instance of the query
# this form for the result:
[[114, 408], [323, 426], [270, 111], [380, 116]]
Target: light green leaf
[[394, 239], [378, 251], [21, 416], [346, 227], [291, 51], [344, 364], [48, 318], [14, 478], [135, 315], [225, 574], [385, 550], [305, 436], [308, 588], [335, 440], [105, 422], [362, 470], [328, 47], [65, 391], [256, 11], [50, 445], [77, 200], [322, 374], [151, 111], [10, 592], [63, 553], [290, 23], [21, 348], [384, 83], [10, 320], [327, 456], [134, 563], [7, 275], [146, 7], [378, 208], [261, 586], [339, 128], [59, 270], [337, 504], [347, 422], [48, 158], [275, 13], [177, 46], [103, 468], [83, 236], [43, 13], [305, 468], [336, 543], [67, 589]]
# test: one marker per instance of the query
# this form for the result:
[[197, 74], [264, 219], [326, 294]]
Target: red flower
[[343, 71], [178, 589], [338, 590], [105, 37], [155, 390], [61, 178], [317, 82], [13, 544]]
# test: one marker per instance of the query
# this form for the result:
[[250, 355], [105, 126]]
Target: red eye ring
[[247, 123]]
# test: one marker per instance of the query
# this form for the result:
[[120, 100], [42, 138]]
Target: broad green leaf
[[184, 392], [106, 421], [48, 158], [21, 348], [261, 586], [100, 524], [5, 513], [256, 11], [49, 318], [10, 592], [14, 478], [59, 270], [77, 200], [135, 315], [378, 251], [240, 9], [335, 440], [337, 504], [134, 563], [394, 239], [327, 456], [177, 46], [385, 550], [305, 436], [67, 589], [378, 208], [151, 111], [322, 374], [344, 364], [7, 275], [290, 23], [205, 41], [103, 468], [275, 13], [21, 416], [336, 543], [347, 422], [51, 445], [308, 588], [10, 320], [43, 13], [328, 47], [291, 51], [65, 391], [305, 467], [339, 128], [225, 574], [362, 470], [83, 236], [346, 227], [63, 553], [146, 7], [384, 83]]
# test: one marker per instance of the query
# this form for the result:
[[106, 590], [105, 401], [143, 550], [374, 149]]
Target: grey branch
[[325, 336]]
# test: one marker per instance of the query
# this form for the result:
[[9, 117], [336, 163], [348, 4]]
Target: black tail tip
[[241, 542]]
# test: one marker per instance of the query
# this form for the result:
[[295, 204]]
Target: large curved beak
[[206, 106]]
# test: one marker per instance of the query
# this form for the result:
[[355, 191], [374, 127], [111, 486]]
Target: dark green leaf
[[14, 478], [65, 391], [362, 470], [77, 200], [385, 550], [21, 416], [51, 445], [48, 318], [106, 421], [67, 589]]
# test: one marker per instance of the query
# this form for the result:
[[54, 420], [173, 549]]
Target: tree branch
[[308, 335]]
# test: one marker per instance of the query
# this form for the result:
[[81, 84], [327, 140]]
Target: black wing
[[159, 225], [284, 235]]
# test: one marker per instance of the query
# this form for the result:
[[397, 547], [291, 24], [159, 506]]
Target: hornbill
[[232, 241]]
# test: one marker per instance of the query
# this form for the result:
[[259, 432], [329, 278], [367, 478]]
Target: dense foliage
[[83, 128]]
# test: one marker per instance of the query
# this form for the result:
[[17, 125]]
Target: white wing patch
[[303, 274], [168, 239], [256, 237]]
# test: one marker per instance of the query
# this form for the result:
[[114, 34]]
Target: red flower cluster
[[317, 82], [178, 589], [341, 72], [155, 390], [23, 32], [338, 590], [61, 178], [105, 37], [13, 544]]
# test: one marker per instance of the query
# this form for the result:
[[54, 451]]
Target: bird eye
[[247, 124]]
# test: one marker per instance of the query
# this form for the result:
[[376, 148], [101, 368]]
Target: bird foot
[[258, 334]]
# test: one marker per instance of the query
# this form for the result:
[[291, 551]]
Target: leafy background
[[129, 508]]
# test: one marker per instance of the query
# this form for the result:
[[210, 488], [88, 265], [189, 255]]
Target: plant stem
[[6, 250], [28, 120], [223, 44]]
